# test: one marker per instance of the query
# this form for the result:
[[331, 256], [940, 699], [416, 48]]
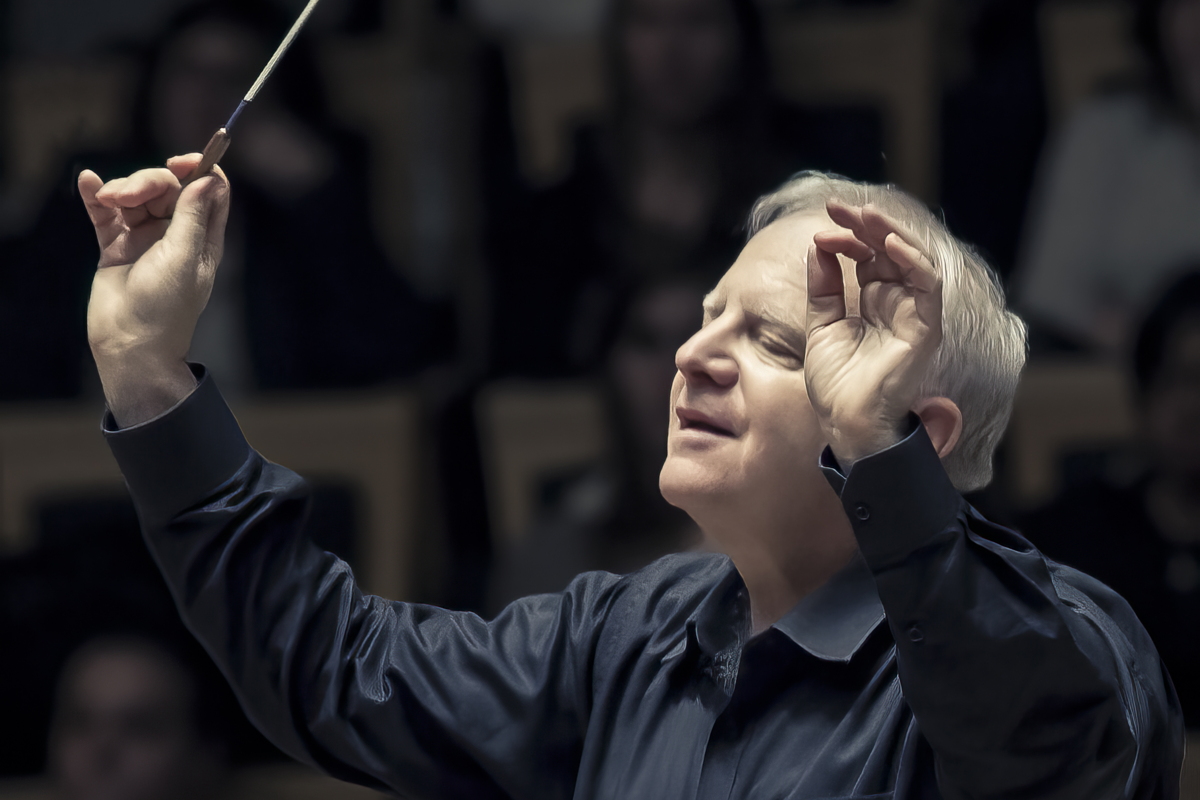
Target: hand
[[864, 373], [159, 251]]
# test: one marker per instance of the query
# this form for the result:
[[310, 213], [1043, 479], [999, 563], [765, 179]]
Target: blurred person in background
[[612, 516], [1119, 195], [87, 575], [296, 308], [660, 186], [132, 721], [1136, 526]]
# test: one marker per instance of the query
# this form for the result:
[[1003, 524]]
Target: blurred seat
[[294, 782], [1064, 406], [53, 108], [366, 440], [885, 56], [269, 782], [1084, 44], [529, 431]]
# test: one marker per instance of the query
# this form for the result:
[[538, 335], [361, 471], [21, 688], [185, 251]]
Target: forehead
[[770, 273]]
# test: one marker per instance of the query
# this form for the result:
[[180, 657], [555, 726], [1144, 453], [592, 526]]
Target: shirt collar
[[834, 621]]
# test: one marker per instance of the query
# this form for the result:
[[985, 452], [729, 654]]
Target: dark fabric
[[1103, 526], [998, 674]]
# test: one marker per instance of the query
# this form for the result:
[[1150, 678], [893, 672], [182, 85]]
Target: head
[[681, 62], [1167, 368], [744, 369], [202, 65], [130, 724]]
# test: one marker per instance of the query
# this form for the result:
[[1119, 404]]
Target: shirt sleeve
[[397, 696], [1027, 678]]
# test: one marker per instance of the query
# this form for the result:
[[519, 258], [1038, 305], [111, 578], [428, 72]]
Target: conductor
[[861, 633]]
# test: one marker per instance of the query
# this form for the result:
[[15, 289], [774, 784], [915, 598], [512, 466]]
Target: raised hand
[[864, 373], [159, 251]]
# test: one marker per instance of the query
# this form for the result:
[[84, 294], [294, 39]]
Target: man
[[130, 723], [765, 672]]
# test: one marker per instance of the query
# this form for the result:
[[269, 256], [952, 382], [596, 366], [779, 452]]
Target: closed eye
[[781, 350]]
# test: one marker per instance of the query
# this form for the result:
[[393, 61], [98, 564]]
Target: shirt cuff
[[177, 459], [897, 500]]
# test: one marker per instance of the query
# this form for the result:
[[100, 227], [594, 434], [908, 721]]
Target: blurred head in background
[[641, 367], [198, 72], [680, 62], [133, 722], [1167, 367]]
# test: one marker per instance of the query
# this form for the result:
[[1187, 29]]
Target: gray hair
[[979, 361]]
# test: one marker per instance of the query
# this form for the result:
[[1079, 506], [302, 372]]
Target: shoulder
[[1117, 632]]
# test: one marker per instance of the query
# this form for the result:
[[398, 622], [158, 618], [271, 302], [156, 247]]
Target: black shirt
[[1105, 528], [949, 660]]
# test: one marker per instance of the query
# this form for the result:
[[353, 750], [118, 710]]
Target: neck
[[783, 560]]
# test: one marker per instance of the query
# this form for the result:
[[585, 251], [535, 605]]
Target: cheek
[[785, 436]]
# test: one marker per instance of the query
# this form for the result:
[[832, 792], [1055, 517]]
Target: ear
[[943, 422]]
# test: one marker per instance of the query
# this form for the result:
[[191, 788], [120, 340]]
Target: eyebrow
[[763, 313]]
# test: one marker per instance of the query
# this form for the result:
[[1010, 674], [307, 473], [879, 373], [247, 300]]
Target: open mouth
[[690, 420]]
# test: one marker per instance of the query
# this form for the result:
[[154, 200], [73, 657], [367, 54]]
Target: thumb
[[197, 229]]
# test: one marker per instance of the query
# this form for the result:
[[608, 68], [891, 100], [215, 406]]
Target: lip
[[697, 421]]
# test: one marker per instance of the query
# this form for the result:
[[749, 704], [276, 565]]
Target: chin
[[690, 485]]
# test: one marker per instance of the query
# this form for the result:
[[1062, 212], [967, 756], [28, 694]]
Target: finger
[[879, 225], [196, 234], [826, 291], [921, 278], [157, 185], [101, 215], [182, 166], [917, 270], [845, 242], [846, 215]]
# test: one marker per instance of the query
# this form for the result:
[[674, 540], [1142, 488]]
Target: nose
[[705, 360]]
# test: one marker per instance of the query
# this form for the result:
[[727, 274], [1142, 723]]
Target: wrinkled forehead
[[769, 277]]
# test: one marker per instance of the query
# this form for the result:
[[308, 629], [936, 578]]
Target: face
[[201, 79], [681, 57], [743, 434], [123, 730]]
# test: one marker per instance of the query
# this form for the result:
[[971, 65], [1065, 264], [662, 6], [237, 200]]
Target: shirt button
[[862, 512], [915, 634]]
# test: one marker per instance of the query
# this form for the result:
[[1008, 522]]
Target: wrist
[[856, 441], [141, 386]]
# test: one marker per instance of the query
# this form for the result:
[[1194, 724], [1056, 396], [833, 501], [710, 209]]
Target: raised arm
[[1026, 678], [397, 696]]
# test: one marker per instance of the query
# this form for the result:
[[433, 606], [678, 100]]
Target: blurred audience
[[1136, 524], [1119, 194], [305, 297], [89, 577], [662, 185], [132, 721], [611, 515]]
